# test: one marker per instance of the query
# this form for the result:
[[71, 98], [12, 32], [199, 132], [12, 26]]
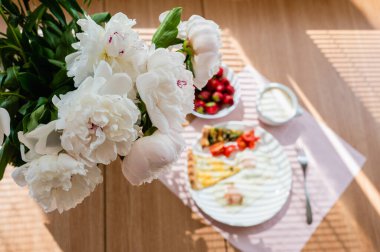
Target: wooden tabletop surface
[[328, 51]]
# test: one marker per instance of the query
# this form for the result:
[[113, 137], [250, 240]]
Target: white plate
[[229, 74], [265, 188]]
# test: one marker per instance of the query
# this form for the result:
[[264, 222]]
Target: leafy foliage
[[32, 54], [166, 34]]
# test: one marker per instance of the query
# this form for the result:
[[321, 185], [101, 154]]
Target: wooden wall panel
[[146, 12]]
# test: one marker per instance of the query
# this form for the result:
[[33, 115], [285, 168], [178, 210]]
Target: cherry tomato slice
[[241, 143], [249, 136], [252, 144], [228, 150], [217, 149]]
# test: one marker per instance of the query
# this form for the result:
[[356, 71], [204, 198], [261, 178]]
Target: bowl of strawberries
[[219, 97]]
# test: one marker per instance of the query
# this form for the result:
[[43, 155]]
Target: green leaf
[[31, 83], [41, 101], [57, 63], [7, 151], [45, 117], [101, 17], [2, 78], [66, 4], [10, 7], [34, 17], [73, 4], [87, 2], [64, 89], [13, 137], [56, 10], [25, 42], [53, 113], [62, 51], [59, 79], [53, 27], [150, 131], [34, 118], [27, 108], [51, 38], [65, 44], [178, 41], [11, 104], [14, 35], [166, 34], [11, 82]]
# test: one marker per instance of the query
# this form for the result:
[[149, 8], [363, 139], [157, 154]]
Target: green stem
[[10, 93], [14, 34], [13, 47], [187, 48]]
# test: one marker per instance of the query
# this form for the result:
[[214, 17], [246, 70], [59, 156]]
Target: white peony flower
[[166, 89], [57, 181], [152, 155], [117, 44], [41, 141], [5, 124], [98, 119], [204, 38]]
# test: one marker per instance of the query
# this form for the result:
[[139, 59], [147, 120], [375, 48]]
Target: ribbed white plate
[[265, 188]]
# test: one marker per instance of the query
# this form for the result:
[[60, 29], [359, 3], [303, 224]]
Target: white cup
[[277, 104]]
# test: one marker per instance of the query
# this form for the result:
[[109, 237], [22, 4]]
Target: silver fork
[[303, 160]]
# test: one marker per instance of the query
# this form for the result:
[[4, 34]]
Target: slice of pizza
[[206, 171]]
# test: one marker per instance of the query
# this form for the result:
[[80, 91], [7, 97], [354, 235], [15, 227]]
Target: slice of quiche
[[206, 171]]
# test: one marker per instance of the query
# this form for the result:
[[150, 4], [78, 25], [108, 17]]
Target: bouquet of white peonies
[[78, 94]]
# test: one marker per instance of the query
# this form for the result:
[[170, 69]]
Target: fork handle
[[309, 213]]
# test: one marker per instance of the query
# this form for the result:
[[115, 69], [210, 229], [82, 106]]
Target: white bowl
[[229, 74], [296, 108]]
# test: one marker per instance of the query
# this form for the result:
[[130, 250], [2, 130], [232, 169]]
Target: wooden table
[[327, 51]]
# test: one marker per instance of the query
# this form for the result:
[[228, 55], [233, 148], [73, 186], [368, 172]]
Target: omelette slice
[[206, 171]]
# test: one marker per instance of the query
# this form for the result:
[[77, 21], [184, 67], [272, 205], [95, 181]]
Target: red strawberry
[[212, 84], [220, 73], [229, 90], [212, 108], [204, 95], [225, 82], [217, 96], [228, 99], [209, 86], [220, 87], [199, 103]]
